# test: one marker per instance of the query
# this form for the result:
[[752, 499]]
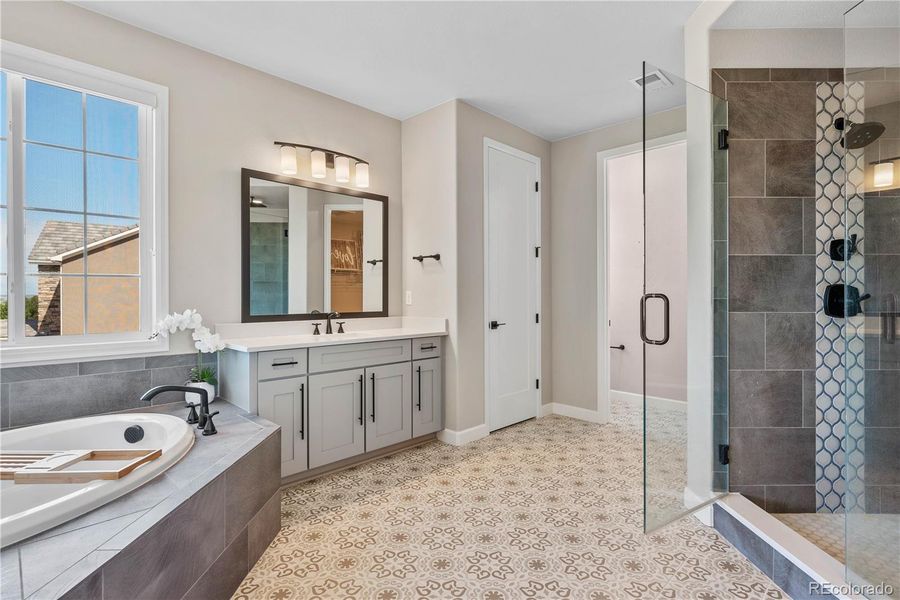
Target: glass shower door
[[871, 295], [684, 297]]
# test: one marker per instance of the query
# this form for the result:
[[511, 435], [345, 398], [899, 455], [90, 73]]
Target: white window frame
[[153, 102]]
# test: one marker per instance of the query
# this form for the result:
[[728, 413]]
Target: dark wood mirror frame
[[246, 176]]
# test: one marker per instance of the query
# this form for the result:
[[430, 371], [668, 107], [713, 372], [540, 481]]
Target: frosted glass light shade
[[362, 174], [317, 164], [288, 160], [884, 174], [341, 169]]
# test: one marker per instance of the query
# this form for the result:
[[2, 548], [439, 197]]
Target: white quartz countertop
[[261, 337]]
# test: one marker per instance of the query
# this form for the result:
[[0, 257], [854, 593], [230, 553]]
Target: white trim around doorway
[[603, 387]]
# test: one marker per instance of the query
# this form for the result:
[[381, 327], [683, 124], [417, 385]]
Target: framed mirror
[[311, 247]]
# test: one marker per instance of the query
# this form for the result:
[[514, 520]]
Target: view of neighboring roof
[[59, 237]]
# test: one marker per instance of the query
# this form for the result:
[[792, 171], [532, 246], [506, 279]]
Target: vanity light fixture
[[322, 159], [884, 172]]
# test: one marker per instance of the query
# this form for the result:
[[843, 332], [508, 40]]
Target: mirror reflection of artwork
[[313, 250]]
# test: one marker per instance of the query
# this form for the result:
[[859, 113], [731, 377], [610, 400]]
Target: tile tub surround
[[167, 539], [44, 393], [548, 508], [772, 282]]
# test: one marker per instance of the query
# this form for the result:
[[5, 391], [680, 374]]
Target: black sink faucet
[[204, 421], [331, 315]]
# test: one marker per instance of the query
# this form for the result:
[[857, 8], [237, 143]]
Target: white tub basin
[[29, 508]]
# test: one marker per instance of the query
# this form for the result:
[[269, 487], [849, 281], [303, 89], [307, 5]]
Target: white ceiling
[[553, 68], [785, 14]]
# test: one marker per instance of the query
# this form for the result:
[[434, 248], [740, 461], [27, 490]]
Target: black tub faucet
[[204, 421]]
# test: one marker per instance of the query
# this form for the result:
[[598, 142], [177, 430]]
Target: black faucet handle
[[192, 417], [209, 428], [316, 329], [340, 325]]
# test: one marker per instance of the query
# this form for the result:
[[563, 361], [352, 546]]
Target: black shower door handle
[[644, 337]]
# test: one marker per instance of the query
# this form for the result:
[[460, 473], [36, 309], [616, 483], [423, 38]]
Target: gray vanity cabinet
[[285, 403], [388, 405], [427, 409], [336, 416]]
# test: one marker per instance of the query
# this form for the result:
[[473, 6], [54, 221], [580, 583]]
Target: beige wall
[[472, 127], [222, 116], [429, 226], [443, 184], [574, 240]]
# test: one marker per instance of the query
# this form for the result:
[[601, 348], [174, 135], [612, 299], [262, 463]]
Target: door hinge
[[724, 449], [537, 186], [537, 251], [722, 140], [537, 384], [537, 317]]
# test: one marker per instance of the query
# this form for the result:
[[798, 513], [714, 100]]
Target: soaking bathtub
[[30, 508]]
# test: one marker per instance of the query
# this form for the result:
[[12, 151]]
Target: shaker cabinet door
[[427, 409], [285, 402], [388, 405], [336, 416]]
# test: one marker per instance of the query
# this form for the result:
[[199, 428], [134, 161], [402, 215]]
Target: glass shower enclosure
[[871, 297], [683, 310]]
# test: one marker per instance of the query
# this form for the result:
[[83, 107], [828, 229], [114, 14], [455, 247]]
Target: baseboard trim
[[639, 398], [573, 412], [466, 436]]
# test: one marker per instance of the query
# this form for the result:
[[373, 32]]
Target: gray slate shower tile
[[790, 498], [766, 399], [809, 226], [747, 343], [720, 211], [772, 283], [794, 580], [746, 168], [777, 110], [773, 456], [15, 374], [791, 341], [882, 450], [741, 537], [809, 398], [222, 579], [882, 281], [882, 225], [45, 400], [790, 168], [111, 366], [807, 74], [743, 74], [882, 401], [765, 226], [754, 493]]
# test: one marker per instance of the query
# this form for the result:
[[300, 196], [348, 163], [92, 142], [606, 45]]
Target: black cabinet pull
[[302, 408], [373, 397], [285, 364], [431, 347], [362, 393], [419, 399]]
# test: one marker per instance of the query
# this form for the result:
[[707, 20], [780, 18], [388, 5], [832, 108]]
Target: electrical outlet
[[408, 297]]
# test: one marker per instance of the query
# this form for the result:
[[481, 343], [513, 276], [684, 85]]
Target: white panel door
[[512, 223]]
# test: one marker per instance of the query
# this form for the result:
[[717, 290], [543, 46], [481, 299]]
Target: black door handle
[[419, 398], [619, 347], [362, 394], [644, 337], [302, 408], [373, 397], [496, 324]]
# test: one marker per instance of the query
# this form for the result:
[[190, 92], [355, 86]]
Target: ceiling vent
[[655, 80]]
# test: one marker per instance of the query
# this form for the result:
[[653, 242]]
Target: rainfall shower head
[[859, 135]]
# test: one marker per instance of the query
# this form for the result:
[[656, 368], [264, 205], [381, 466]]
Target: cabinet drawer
[[352, 356], [281, 363], [426, 347]]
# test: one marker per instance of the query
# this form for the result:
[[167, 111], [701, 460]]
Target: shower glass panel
[[684, 305], [871, 418]]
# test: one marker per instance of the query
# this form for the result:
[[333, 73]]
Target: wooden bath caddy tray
[[47, 467]]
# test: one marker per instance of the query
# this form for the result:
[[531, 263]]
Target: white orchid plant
[[205, 341]]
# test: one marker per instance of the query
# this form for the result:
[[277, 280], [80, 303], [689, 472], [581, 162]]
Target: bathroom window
[[82, 211]]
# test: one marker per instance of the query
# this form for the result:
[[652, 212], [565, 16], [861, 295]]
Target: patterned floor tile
[[546, 509]]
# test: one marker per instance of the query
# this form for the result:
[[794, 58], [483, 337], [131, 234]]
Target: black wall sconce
[[422, 257]]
